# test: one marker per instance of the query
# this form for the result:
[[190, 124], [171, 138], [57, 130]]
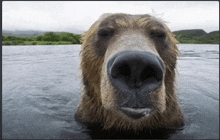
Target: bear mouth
[[136, 113]]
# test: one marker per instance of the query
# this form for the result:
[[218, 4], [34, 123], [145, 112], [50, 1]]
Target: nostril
[[148, 75], [121, 71]]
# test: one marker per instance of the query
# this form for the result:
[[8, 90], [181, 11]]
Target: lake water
[[41, 90]]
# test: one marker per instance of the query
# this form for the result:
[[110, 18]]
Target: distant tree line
[[197, 40], [47, 38], [197, 36]]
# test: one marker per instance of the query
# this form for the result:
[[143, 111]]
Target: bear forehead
[[127, 20]]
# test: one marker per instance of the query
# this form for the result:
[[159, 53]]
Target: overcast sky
[[80, 15]]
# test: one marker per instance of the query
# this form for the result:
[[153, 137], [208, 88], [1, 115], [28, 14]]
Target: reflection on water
[[41, 90]]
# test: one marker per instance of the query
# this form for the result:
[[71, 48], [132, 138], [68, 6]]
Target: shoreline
[[197, 44], [81, 44], [43, 45]]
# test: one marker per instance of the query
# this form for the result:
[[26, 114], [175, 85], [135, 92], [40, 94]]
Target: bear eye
[[158, 34], [105, 32]]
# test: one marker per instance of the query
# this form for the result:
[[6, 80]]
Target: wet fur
[[97, 106]]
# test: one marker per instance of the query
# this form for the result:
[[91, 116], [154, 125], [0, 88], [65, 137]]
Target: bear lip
[[136, 113]]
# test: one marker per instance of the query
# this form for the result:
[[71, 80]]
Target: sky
[[77, 16]]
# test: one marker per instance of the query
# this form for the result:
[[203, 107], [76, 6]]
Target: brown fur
[[98, 100]]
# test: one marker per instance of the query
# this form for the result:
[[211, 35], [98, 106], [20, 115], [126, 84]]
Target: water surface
[[41, 89]]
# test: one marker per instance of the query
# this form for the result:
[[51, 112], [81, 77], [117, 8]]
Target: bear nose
[[135, 71]]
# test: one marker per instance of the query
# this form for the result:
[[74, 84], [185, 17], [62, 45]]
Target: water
[[41, 90]]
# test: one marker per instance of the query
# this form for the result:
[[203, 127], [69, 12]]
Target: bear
[[128, 70]]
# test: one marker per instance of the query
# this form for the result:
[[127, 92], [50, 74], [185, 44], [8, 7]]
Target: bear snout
[[135, 75], [136, 71]]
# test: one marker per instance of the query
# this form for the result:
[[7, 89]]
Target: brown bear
[[128, 65]]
